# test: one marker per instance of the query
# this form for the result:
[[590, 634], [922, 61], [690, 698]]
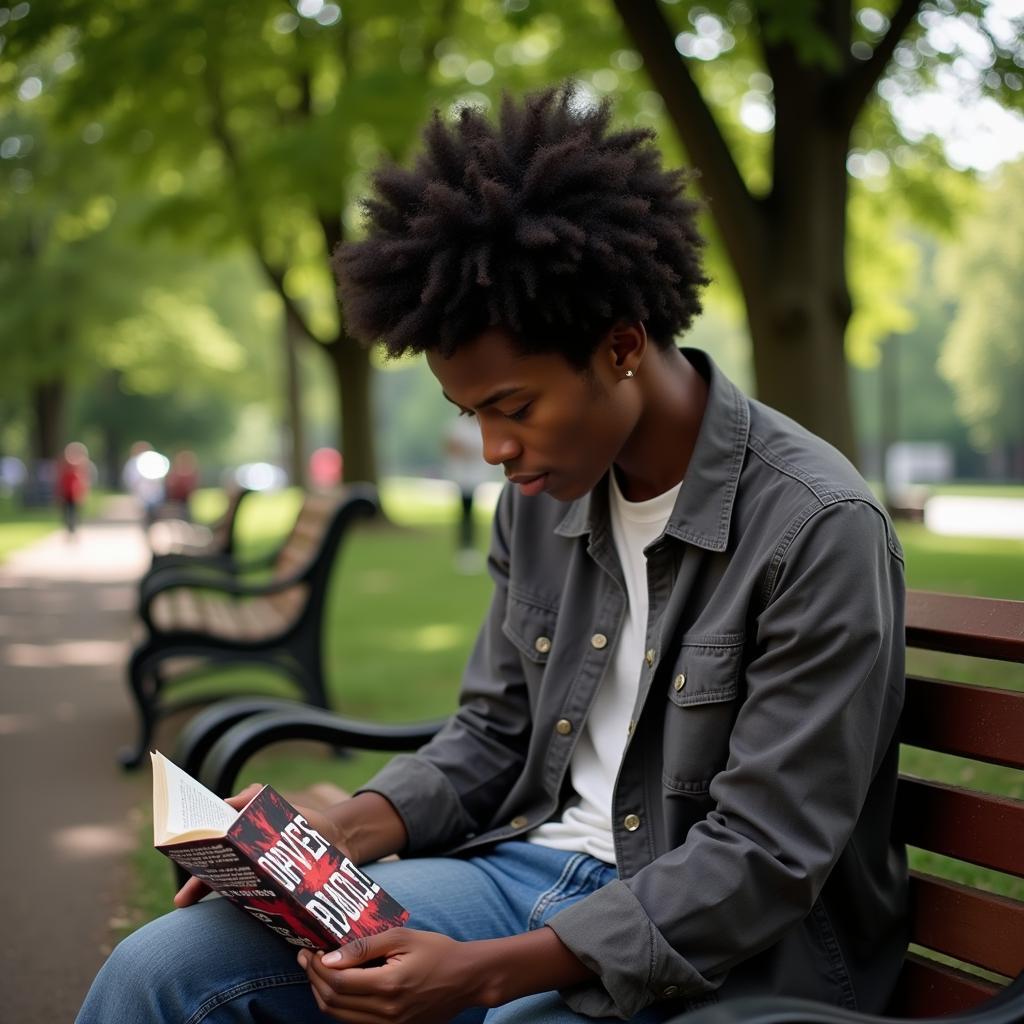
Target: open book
[[268, 860]]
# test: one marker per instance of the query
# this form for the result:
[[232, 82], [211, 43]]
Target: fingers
[[360, 950], [334, 981], [239, 800], [191, 892], [346, 995]]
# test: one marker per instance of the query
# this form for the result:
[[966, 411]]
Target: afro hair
[[548, 224]]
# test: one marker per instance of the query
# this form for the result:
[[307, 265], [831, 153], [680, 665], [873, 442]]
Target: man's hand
[[194, 890], [425, 977]]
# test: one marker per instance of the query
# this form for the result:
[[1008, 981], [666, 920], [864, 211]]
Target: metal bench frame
[[295, 649]]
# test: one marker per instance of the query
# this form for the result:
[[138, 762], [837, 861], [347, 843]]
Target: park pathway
[[66, 621]]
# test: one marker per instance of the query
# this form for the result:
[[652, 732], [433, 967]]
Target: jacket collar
[[703, 510]]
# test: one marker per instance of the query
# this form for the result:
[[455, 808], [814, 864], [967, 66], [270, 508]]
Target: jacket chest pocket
[[701, 703], [530, 628]]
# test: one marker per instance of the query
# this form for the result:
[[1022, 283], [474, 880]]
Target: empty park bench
[[206, 617], [178, 542], [955, 927]]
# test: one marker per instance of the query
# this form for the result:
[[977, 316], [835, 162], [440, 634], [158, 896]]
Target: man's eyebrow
[[497, 396]]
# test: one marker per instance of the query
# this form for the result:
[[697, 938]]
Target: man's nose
[[498, 445]]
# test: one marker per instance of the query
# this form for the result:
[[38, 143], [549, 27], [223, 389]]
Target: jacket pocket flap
[[706, 673], [530, 627]]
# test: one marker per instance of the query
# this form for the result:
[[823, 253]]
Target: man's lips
[[529, 483]]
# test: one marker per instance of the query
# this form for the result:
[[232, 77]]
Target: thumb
[[239, 800], [365, 948]]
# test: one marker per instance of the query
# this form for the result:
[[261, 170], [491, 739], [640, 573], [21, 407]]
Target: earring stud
[[630, 373]]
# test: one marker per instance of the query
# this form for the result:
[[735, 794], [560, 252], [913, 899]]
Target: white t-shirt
[[586, 824]]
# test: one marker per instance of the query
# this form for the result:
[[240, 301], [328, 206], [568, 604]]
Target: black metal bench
[[176, 542], [967, 926], [216, 618]]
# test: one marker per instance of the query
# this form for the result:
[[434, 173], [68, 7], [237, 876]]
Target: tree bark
[[292, 333], [788, 248], [48, 418], [353, 377]]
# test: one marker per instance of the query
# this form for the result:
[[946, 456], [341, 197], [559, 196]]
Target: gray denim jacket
[[752, 809]]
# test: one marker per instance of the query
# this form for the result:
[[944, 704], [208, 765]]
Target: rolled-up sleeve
[[820, 701], [449, 789]]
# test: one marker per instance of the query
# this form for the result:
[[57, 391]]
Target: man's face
[[551, 427]]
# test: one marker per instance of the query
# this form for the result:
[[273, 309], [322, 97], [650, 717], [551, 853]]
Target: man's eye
[[466, 412], [520, 413]]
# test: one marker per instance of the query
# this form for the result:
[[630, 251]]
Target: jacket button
[[517, 822], [679, 682], [543, 644], [669, 992], [563, 727], [599, 641], [632, 822], [650, 656]]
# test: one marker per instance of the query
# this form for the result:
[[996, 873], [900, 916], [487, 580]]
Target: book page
[[189, 804]]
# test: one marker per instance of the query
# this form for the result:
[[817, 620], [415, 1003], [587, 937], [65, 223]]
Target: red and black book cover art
[[277, 867]]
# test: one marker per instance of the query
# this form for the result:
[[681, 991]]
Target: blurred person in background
[[464, 465], [74, 476], [143, 477], [180, 484]]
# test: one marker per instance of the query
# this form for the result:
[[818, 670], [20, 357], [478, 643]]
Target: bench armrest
[[202, 730], [220, 585], [238, 743], [1006, 1007]]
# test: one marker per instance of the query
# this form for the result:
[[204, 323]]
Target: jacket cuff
[[612, 934], [425, 800]]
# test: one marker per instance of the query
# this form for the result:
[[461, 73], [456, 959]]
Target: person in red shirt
[[72, 486]]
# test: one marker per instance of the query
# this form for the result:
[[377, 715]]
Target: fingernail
[[332, 958], [303, 957]]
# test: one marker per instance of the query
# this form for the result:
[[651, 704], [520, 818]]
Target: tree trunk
[[788, 248], [352, 371], [48, 419], [292, 334], [798, 304]]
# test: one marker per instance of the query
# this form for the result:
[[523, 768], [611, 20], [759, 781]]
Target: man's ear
[[627, 345]]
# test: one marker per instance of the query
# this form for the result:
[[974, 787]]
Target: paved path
[[66, 620]]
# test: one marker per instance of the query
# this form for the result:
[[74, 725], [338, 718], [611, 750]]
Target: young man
[[670, 778]]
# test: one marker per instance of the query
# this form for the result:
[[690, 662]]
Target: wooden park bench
[[179, 542], [955, 928], [207, 617]]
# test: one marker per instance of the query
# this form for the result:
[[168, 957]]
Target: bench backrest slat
[[930, 989], [971, 721], [976, 827], [978, 626], [975, 927], [307, 533], [985, 725]]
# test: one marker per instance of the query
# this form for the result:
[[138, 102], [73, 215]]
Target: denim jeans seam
[[244, 988], [546, 898]]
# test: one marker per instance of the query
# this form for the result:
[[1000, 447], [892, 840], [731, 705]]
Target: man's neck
[[658, 452]]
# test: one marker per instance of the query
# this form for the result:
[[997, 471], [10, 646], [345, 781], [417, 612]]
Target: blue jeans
[[213, 964]]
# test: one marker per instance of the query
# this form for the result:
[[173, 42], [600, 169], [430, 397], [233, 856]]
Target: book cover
[[270, 861]]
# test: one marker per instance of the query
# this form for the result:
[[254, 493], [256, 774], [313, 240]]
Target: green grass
[[401, 623], [20, 526], [981, 490], [982, 566]]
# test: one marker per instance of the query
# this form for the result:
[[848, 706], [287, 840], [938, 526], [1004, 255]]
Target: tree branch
[[735, 211], [863, 77], [247, 206]]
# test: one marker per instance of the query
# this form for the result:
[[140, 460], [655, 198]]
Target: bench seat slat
[[979, 722], [978, 626], [929, 989], [976, 827], [976, 927]]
